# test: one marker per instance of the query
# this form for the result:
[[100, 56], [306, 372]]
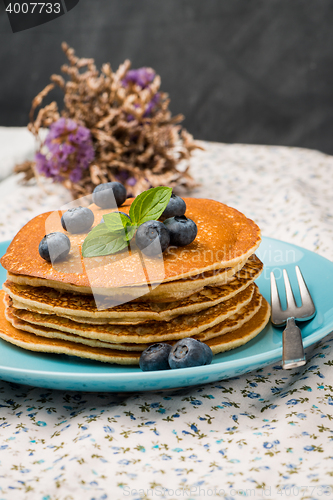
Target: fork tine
[[275, 298], [304, 291], [289, 293]]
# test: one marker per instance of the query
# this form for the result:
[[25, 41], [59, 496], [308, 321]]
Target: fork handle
[[293, 351]]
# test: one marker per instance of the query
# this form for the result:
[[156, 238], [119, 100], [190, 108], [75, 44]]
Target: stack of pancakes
[[112, 308]]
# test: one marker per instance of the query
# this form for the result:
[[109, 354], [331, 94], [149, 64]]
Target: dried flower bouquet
[[115, 126]]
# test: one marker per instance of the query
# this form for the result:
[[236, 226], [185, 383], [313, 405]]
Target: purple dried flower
[[124, 177], [151, 105], [70, 151], [141, 76], [131, 181]]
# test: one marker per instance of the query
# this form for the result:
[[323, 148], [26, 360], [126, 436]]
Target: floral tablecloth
[[267, 434]]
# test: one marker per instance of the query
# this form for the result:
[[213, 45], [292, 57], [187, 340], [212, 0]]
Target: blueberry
[[182, 230], [152, 237], [54, 247], [155, 357], [77, 220], [176, 206], [190, 352], [109, 195]]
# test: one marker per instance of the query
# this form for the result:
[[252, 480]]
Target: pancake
[[81, 307], [225, 238], [32, 342], [235, 321], [41, 325], [16, 318], [41, 344], [244, 334], [180, 327], [174, 290]]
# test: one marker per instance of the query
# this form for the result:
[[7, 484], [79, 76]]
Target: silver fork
[[293, 351]]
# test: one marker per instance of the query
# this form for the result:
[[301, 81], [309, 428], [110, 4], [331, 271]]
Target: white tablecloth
[[267, 434]]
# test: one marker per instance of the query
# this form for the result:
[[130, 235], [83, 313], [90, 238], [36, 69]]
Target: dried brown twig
[[138, 148]]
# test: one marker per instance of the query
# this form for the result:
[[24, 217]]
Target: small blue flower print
[[253, 395], [292, 402], [107, 428]]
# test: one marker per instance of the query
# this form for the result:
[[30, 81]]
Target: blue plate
[[55, 371]]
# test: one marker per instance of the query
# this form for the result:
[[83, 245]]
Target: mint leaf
[[115, 221], [99, 230], [100, 241], [149, 205]]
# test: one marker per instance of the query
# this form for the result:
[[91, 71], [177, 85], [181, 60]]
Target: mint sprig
[[114, 234]]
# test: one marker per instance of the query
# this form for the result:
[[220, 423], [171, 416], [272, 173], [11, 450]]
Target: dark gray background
[[250, 71]]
